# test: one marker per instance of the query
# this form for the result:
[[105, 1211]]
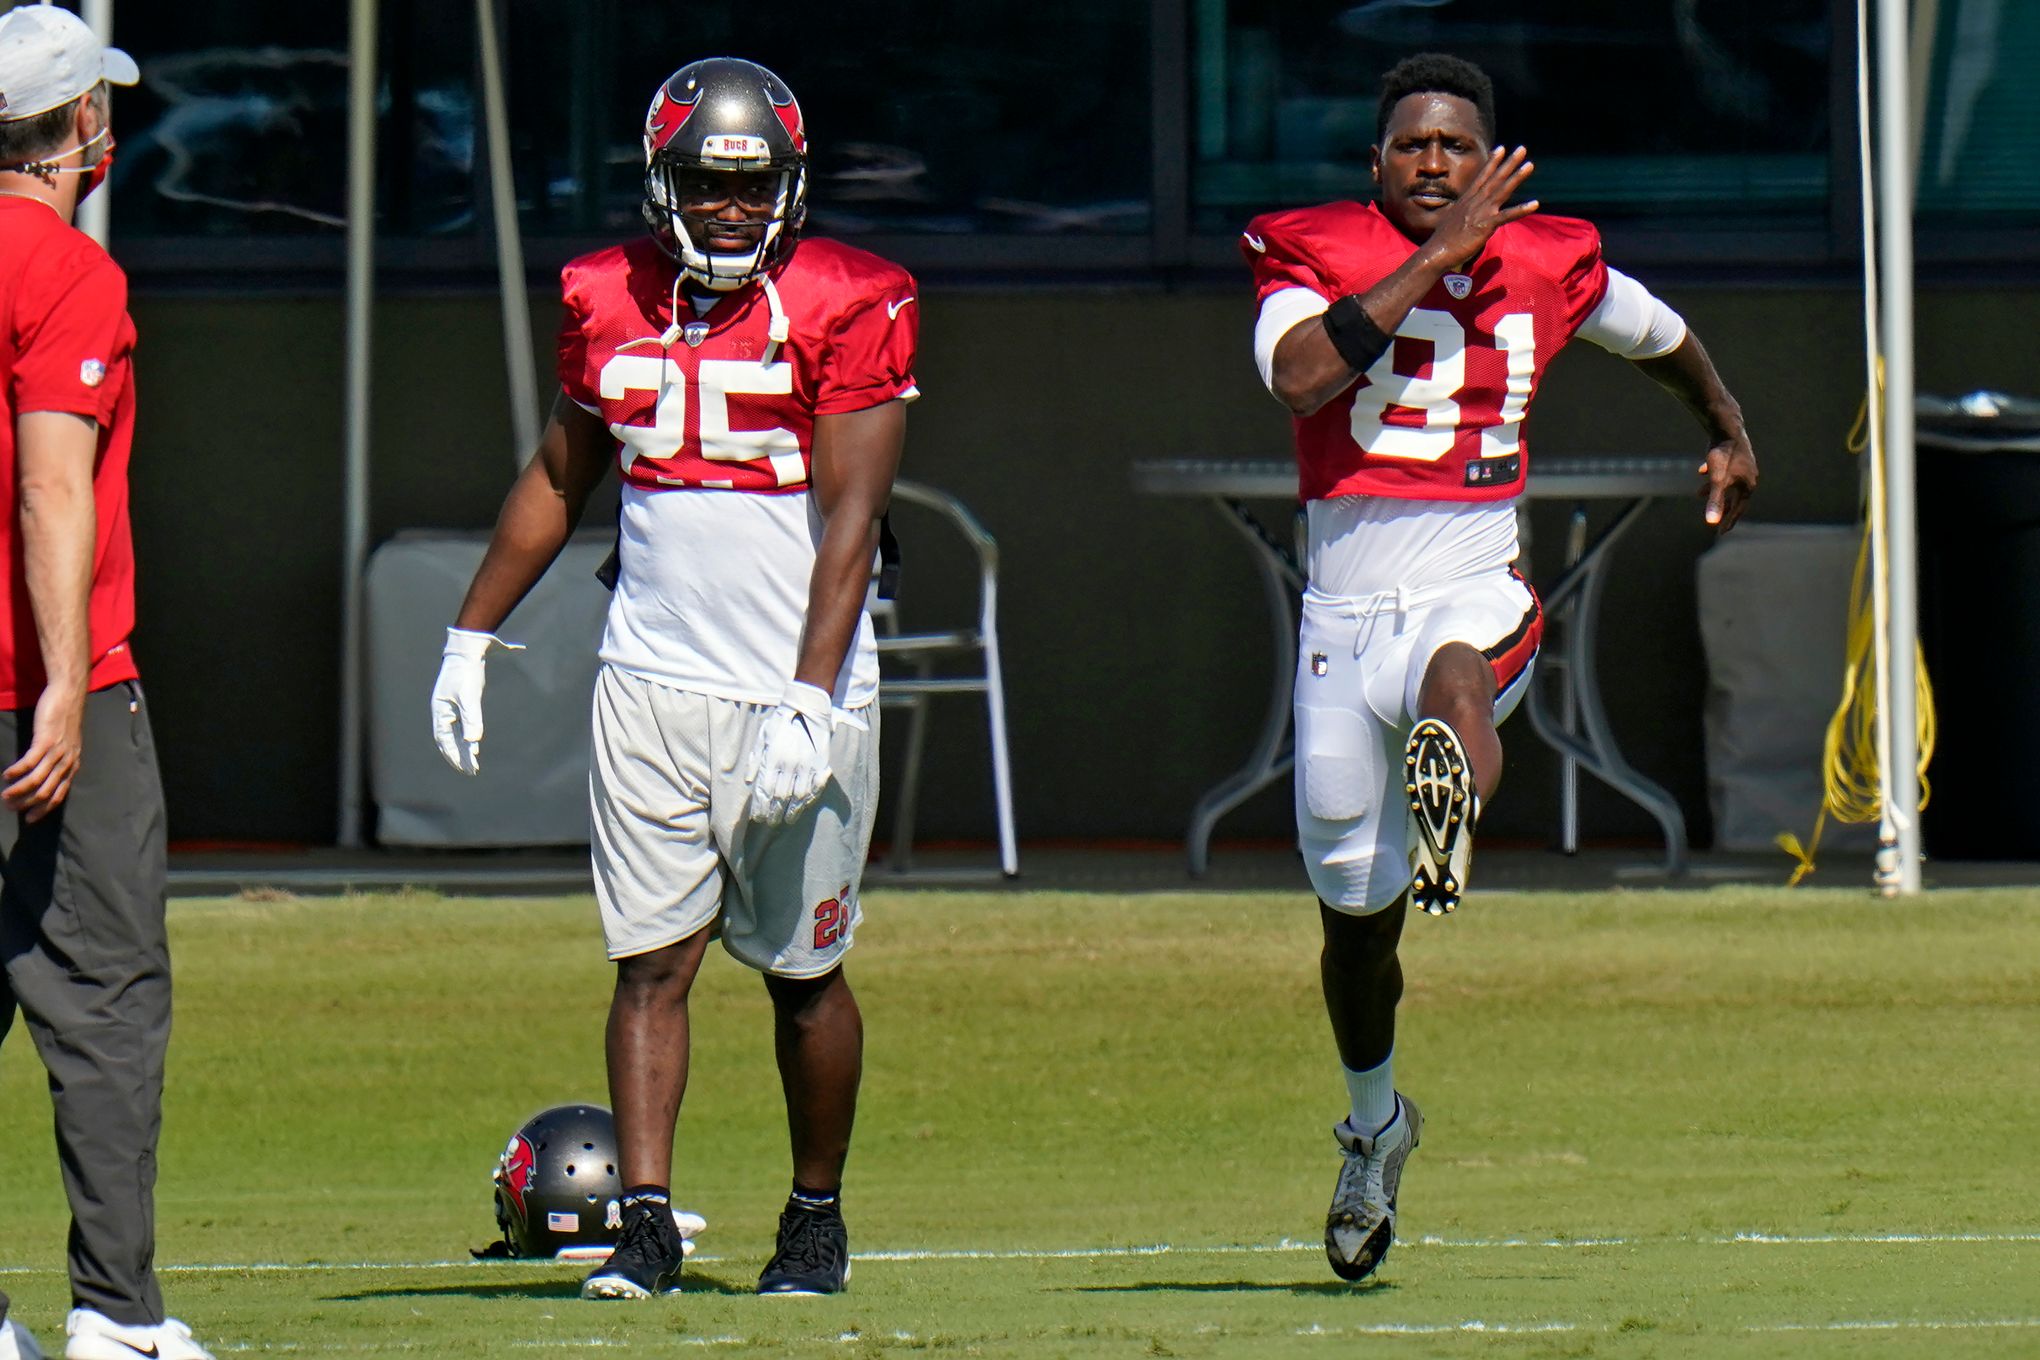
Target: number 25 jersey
[[1439, 415], [713, 417]]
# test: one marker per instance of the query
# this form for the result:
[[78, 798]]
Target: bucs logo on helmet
[[724, 115], [553, 1178], [663, 120], [515, 1169]]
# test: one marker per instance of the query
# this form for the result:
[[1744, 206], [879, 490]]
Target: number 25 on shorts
[[832, 919]]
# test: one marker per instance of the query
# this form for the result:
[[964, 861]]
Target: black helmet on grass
[[556, 1183]]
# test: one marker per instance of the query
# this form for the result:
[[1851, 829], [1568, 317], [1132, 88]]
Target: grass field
[[1733, 1123]]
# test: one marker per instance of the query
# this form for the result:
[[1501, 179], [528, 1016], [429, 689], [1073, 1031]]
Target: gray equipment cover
[[1774, 625], [533, 788]]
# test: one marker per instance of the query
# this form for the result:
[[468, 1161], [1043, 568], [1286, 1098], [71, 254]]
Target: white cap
[[49, 56]]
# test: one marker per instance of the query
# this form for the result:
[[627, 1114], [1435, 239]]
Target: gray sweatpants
[[84, 956]]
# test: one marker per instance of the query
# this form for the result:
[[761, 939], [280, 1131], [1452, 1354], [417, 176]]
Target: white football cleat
[[1438, 782], [16, 1343], [1360, 1226], [95, 1336]]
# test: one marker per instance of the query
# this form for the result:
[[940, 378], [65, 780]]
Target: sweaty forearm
[[837, 589], [1688, 374], [534, 525], [1311, 369]]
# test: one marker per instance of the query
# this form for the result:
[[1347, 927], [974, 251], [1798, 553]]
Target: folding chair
[[908, 662]]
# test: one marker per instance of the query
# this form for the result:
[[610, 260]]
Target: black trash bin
[[1979, 534]]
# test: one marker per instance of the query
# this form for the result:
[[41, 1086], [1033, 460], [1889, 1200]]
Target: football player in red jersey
[[1408, 338], [750, 386]]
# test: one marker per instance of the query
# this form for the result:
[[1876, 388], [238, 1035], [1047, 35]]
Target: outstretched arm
[[544, 505], [1731, 465]]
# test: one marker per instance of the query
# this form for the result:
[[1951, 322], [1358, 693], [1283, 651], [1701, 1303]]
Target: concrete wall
[[1135, 635]]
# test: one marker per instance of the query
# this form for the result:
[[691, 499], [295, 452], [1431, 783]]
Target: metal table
[[1577, 728]]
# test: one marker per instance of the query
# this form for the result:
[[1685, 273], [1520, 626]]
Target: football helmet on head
[[725, 116]]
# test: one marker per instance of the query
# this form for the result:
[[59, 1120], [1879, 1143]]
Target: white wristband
[[810, 701], [474, 646]]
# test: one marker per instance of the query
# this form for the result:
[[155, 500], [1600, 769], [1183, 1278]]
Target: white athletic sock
[[1373, 1093]]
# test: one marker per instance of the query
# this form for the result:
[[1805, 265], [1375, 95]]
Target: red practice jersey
[[1439, 415], [66, 344], [722, 405]]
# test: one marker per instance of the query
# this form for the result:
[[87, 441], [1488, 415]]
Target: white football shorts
[[675, 849], [1360, 664]]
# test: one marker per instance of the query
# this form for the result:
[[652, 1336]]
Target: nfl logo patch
[[92, 373], [694, 332], [1318, 664], [1459, 285]]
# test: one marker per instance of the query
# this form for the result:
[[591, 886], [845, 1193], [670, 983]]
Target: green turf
[[1622, 1083]]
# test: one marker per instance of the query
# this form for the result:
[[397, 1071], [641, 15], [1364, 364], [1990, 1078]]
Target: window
[[926, 116], [1716, 114], [1002, 139], [1982, 113], [240, 123]]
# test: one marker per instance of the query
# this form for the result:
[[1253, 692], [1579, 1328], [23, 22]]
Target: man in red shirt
[[83, 953], [1408, 337]]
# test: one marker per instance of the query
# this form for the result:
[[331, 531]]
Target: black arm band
[[1353, 333]]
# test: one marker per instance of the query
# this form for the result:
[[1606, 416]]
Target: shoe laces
[[804, 1242], [642, 1236]]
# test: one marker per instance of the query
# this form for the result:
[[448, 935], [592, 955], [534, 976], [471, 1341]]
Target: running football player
[[1408, 337], [750, 387]]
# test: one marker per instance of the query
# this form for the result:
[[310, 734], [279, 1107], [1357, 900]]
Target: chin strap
[[778, 330]]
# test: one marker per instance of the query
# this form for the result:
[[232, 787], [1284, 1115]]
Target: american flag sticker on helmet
[[558, 1222]]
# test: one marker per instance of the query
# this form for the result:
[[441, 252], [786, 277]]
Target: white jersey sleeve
[[1280, 314], [1632, 323]]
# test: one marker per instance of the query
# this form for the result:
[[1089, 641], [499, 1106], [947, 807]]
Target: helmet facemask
[[686, 232], [724, 116]]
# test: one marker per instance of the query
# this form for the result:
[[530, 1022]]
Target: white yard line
[[1441, 1328], [1472, 1326], [1746, 1239], [1910, 1325]]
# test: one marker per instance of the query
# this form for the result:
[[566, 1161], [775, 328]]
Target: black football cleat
[[647, 1259], [813, 1255], [1443, 806]]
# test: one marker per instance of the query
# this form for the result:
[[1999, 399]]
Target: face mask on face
[[96, 173]]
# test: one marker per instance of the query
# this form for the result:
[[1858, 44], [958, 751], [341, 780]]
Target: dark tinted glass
[[1983, 112], [239, 124], [923, 115], [1707, 112]]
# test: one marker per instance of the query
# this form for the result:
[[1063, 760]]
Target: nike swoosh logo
[[1256, 242], [892, 309]]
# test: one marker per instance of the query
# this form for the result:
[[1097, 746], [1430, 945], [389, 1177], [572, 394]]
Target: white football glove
[[789, 767], [457, 697]]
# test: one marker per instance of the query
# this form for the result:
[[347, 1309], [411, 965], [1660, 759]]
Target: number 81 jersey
[[715, 401], [1439, 415]]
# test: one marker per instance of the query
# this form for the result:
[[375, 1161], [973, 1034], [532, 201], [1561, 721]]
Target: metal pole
[[517, 359], [1894, 173], [95, 213], [361, 83]]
